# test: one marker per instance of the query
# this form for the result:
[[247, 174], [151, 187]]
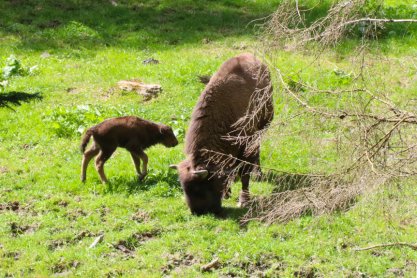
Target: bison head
[[203, 192], [168, 138]]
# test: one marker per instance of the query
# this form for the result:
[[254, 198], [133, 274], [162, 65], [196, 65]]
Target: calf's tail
[[86, 139]]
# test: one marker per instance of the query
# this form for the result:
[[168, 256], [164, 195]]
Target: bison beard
[[240, 92]]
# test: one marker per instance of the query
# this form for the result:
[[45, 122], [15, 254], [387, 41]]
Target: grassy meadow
[[81, 49]]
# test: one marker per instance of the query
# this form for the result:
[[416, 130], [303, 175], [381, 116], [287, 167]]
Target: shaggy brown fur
[[131, 133], [227, 98]]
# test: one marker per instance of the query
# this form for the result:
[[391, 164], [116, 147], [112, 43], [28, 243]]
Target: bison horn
[[200, 173], [173, 166]]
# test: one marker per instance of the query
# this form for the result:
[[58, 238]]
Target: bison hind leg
[[244, 196], [227, 192], [244, 173], [87, 156]]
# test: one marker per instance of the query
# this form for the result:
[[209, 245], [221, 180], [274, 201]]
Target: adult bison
[[236, 101]]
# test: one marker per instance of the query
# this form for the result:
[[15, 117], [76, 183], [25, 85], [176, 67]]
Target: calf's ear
[[173, 166]]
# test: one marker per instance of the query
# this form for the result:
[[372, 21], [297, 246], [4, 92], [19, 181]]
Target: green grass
[[92, 46]]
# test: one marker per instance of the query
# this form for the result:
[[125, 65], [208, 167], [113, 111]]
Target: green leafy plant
[[13, 68], [67, 122]]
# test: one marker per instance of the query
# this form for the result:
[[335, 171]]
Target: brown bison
[[236, 101], [131, 133]]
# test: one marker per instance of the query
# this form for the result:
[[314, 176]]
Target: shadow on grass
[[163, 183], [142, 24], [285, 181], [233, 213], [17, 98], [128, 185]]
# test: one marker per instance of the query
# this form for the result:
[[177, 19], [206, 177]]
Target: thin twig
[[412, 246], [385, 20]]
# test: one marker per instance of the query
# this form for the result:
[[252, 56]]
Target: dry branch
[[401, 244], [213, 264], [288, 24], [97, 240]]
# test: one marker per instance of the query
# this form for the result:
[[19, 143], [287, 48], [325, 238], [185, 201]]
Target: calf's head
[[203, 192], [168, 138]]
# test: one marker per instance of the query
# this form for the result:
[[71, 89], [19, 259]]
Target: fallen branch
[[378, 20], [97, 241], [213, 264], [412, 246], [288, 23]]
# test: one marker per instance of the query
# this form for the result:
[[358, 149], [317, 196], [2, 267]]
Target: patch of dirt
[[58, 244], [145, 236], [114, 273], [125, 247], [256, 267], [49, 24], [83, 234], [240, 46], [141, 216], [3, 170], [150, 61], [63, 266], [72, 90], [74, 214], [205, 41], [28, 146], [128, 246], [309, 272], [12, 254], [177, 261], [377, 253], [17, 229], [61, 203], [396, 272], [103, 211], [13, 206], [402, 271]]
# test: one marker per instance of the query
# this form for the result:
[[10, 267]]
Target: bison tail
[[86, 139]]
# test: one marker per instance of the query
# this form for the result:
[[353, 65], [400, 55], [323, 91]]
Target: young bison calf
[[131, 133]]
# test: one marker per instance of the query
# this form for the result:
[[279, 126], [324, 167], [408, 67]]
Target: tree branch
[[412, 246]]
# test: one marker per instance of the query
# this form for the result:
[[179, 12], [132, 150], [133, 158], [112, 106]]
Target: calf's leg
[[87, 156], [144, 159], [136, 161], [103, 156]]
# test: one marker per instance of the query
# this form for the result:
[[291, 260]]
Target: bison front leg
[[144, 159], [102, 157], [136, 161]]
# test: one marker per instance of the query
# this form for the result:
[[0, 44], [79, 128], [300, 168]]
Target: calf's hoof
[[141, 177]]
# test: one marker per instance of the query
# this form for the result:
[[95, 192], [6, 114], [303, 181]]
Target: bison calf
[[131, 133]]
